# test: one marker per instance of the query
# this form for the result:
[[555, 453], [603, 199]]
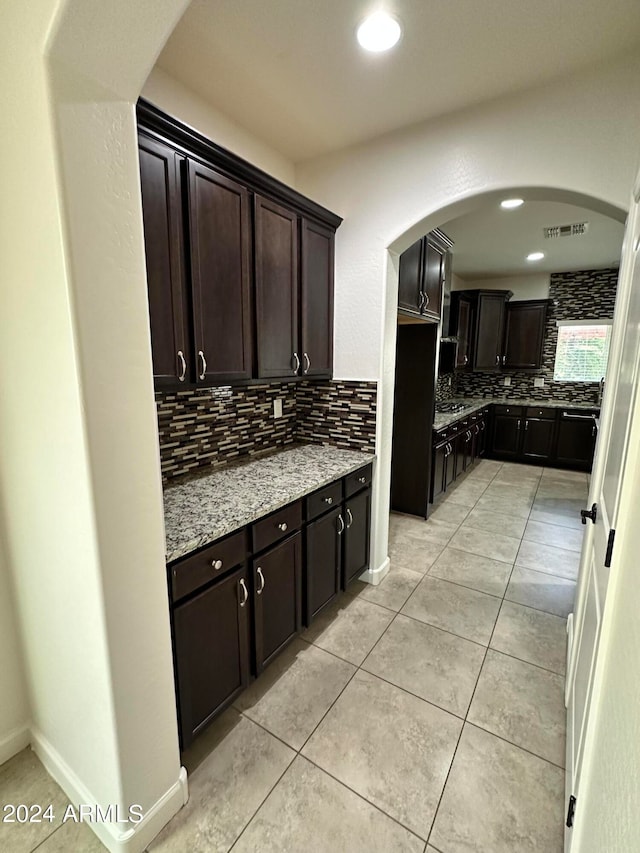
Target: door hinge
[[609, 554], [571, 811]]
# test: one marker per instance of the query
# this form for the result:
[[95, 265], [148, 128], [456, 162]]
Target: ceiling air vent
[[574, 230]]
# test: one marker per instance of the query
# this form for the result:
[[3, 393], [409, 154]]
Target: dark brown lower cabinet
[[277, 584], [538, 438], [576, 439], [211, 647], [356, 536], [464, 451], [506, 435], [323, 552]]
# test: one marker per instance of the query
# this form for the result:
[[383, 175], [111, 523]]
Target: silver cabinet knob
[[362, 479], [183, 366], [261, 578], [204, 364], [328, 500], [283, 526], [245, 592], [216, 564]]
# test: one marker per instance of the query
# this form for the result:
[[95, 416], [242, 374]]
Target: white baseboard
[[14, 742], [134, 839], [374, 576]]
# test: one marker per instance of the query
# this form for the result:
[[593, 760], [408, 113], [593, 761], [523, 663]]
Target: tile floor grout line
[[511, 743], [45, 840], [363, 798]]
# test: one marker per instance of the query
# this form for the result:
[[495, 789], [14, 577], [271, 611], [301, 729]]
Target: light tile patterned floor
[[423, 715]]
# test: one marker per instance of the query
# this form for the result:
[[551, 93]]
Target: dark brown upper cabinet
[[316, 297], [163, 230], [232, 297], [489, 330], [276, 271], [463, 331], [219, 229], [524, 334], [421, 274]]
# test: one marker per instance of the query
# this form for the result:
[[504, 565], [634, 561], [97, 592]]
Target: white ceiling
[[492, 242], [292, 72]]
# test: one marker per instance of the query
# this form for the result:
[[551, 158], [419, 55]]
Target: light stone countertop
[[210, 505], [474, 404]]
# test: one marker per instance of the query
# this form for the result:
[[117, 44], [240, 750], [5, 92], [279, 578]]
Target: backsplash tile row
[[211, 427], [584, 295]]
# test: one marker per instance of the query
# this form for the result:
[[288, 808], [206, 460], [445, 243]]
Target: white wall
[[523, 286], [79, 475], [14, 707], [578, 135], [176, 99]]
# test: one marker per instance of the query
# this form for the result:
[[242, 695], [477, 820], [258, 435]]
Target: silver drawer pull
[[296, 361], [183, 366], [328, 500], [307, 362], [362, 479], [340, 525], [245, 592], [283, 526], [204, 365], [349, 519], [216, 564], [571, 417], [261, 576]]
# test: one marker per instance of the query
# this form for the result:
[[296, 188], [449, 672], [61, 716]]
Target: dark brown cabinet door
[[356, 536], [219, 220], [162, 217], [410, 279], [316, 291], [211, 643], [323, 548], [482, 436], [450, 465], [463, 331], [276, 287], [438, 467], [433, 275], [277, 576], [538, 438], [576, 440], [489, 332], [506, 435], [524, 334]]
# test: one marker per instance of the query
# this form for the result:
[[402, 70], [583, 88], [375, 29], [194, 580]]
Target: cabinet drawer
[[509, 410], [212, 562], [275, 526], [536, 412], [441, 435], [358, 480], [323, 500]]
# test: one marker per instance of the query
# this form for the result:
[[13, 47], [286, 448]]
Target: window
[[582, 350]]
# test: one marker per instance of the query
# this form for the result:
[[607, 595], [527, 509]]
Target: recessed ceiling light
[[511, 203], [535, 256], [378, 32]]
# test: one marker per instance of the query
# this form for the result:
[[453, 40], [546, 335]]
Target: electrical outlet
[[507, 381], [277, 408], [538, 383]]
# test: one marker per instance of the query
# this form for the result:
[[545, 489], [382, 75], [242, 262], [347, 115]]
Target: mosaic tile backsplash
[[585, 295], [211, 427]]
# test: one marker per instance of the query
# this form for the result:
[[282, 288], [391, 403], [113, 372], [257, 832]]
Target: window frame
[[577, 323]]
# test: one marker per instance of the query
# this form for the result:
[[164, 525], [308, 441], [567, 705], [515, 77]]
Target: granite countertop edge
[[215, 487], [445, 419]]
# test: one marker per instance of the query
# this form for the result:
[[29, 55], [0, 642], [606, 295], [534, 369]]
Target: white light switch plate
[[277, 408], [507, 380], [538, 383]]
